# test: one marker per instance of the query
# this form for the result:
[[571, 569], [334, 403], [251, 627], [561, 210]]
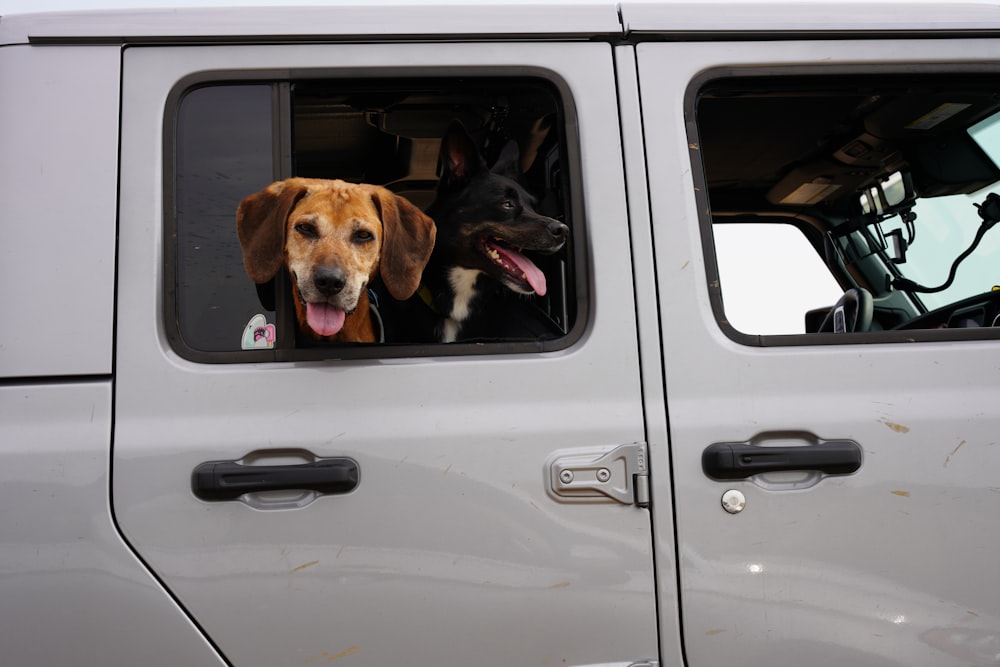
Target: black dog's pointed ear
[[509, 161], [460, 158]]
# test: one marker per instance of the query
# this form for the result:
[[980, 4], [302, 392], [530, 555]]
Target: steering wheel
[[852, 312]]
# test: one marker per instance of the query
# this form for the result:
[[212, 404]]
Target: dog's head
[[332, 237], [486, 218]]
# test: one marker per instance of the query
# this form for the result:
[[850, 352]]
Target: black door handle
[[228, 480], [739, 460]]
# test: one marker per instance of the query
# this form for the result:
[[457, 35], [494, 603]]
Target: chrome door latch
[[590, 474]]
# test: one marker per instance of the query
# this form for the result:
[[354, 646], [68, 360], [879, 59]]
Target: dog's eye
[[307, 230], [508, 205], [363, 236]]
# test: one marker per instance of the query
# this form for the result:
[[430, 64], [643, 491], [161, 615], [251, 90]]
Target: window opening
[[427, 210], [895, 175]]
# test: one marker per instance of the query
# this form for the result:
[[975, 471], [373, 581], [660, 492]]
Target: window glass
[[318, 218], [947, 228], [224, 150]]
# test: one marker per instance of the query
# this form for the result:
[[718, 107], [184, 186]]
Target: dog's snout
[[329, 280], [558, 230]]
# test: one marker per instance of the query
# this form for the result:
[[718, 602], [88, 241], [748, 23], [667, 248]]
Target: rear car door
[[889, 559], [479, 529]]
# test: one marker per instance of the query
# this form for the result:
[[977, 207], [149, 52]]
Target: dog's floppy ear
[[407, 240], [460, 158], [260, 224]]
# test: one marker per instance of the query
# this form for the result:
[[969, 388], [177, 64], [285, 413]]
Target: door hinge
[[589, 474]]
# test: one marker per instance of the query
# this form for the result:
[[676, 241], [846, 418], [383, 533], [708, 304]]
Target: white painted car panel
[[150, 19], [58, 182], [71, 591], [854, 17], [375, 19]]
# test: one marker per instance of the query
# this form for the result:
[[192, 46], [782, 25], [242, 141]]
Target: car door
[[886, 563], [473, 528]]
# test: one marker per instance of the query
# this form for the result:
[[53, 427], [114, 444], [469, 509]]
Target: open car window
[[890, 179], [237, 152]]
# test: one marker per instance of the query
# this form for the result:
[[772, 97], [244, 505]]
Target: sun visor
[[819, 181], [951, 164]]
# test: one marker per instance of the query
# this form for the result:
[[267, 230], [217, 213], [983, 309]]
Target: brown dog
[[333, 236]]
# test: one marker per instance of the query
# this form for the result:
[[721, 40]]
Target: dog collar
[[376, 316]]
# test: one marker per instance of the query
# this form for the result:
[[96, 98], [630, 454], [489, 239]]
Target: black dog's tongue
[[532, 273]]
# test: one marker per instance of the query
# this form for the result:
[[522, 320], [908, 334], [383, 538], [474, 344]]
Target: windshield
[[944, 228]]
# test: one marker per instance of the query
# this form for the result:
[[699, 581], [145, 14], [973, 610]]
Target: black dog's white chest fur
[[463, 285]]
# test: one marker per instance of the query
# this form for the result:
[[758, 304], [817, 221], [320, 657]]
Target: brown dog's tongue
[[324, 319], [531, 272]]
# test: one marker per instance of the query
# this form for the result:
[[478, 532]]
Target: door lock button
[[733, 501]]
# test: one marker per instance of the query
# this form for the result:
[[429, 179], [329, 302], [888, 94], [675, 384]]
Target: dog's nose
[[558, 230], [329, 280]]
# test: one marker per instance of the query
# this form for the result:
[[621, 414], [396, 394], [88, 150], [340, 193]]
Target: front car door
[[885, 556]]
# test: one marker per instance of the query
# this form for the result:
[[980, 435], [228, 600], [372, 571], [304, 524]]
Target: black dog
[[486, 221]]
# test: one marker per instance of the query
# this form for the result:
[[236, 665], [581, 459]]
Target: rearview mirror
[[889, 196]]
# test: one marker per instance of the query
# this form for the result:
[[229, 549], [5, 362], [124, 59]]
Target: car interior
[[388, 132]]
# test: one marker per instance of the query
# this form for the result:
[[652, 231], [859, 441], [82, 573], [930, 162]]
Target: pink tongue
[[324, 319], [534, 275]]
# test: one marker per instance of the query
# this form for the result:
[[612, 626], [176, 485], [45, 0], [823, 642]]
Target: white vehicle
[[660, 471]]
